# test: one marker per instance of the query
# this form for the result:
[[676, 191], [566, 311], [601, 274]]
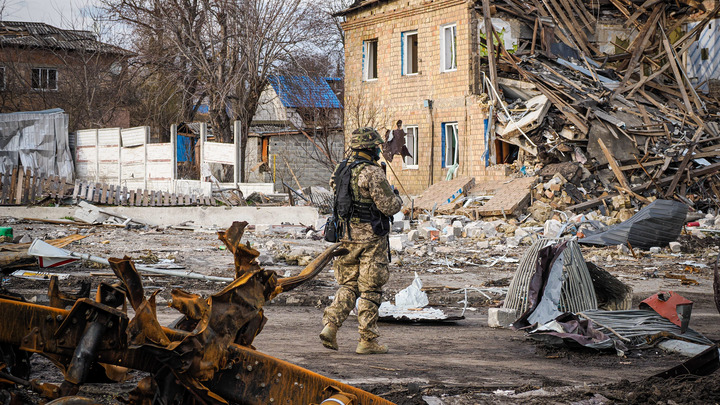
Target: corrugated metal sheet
[[655, 225], [703, 61], [33, 34], [304, 91]]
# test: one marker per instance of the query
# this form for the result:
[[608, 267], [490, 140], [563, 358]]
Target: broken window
[[411, 141], [450, 150], [2, 77], [44, 79], [448, 51], [409, 47], [370, 71]]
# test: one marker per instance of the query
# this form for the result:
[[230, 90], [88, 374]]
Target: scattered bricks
[[434, 234], [457, 224], [451, 230], [397, 241], [501, 317], [549, 193], [483, 244], [655, 249], [413, 235], [555, 187], [447, 238], [675, 247], [512, 242]]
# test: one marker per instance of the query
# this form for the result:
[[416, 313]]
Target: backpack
[[337, 224]]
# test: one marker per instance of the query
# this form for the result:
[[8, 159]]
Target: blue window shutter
[[442, 143], [362, 68], [402, 53]]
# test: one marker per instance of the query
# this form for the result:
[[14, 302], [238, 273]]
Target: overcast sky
[[66, 14]]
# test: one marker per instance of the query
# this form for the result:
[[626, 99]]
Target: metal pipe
[[82, 359]]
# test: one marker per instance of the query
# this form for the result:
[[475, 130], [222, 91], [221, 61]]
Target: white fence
[[124, 157]]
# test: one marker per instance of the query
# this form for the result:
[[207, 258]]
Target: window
[[411, 141], [44, 79], [409, 47], [370, 71], [450, 150], [448, 51], [2, 77]]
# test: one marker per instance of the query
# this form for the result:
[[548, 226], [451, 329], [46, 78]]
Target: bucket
[[6, 234]]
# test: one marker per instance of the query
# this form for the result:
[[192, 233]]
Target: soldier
[[363, 272]]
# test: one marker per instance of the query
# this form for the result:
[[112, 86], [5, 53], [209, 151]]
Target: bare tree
[[220, 51]]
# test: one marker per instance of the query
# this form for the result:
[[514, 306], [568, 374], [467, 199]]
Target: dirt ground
[[463, 362]]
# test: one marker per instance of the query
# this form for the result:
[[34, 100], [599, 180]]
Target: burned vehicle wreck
[[205, 357]]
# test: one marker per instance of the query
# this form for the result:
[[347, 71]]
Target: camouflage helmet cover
[[365, 138]]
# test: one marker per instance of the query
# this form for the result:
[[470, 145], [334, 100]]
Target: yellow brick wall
[[393, 97]]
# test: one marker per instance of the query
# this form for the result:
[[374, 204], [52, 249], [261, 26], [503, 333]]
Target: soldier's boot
[[370, 347], [329, 336]]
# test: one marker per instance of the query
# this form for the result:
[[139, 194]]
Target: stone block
[[675, 247], [397, 242], [655, 249], [447, 238], [484, 244], [413, 235], [262, 230], [501, 317]]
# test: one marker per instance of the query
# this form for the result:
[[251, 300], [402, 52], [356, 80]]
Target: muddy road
[[461, 362]]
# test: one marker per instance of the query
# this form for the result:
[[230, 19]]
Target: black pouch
[[380, 222], [333, 229]]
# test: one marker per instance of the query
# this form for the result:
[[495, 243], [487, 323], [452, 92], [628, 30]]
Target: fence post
[[236, 136], [173, 146]]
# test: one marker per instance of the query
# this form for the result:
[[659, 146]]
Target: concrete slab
[[221, 217]]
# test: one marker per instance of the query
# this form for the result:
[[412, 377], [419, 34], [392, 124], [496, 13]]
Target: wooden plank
[[19, 187], [118, 195], [76, 191], [96, 192], [5, 177], [138, 197], [213, 202], [132, 198], [676, 72], [63, 188], [146, 198], [614, 165], [683, 165], [165, 199], [111, 195], [13, 185], [173, 199], [89, 187], [125, 195], [103, 194], [26, 186]]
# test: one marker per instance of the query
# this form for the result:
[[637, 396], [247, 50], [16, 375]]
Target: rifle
[[387, 237]]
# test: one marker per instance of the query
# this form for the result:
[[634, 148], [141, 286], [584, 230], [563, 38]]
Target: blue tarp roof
[[304, 91]]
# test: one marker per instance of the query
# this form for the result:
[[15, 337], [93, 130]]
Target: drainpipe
[[429, 105]]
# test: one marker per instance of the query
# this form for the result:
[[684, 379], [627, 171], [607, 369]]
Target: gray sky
[[60, 13]]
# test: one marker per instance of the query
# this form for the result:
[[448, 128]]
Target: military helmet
[[365, 138]]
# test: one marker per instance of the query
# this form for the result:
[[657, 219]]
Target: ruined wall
[[304, 159], [394, 96]]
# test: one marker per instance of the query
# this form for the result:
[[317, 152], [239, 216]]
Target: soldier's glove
[[397, 193]]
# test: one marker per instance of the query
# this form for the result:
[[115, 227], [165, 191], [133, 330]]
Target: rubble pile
[[621, 129]]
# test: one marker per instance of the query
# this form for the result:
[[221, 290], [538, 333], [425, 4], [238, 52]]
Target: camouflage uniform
[[363, 272]]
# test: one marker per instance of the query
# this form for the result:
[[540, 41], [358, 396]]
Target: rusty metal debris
[[206, 358]]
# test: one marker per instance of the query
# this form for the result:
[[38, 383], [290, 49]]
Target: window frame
[[366, 60], [405, 54], [43, 81], [456, 138], [453, 46], [415, 150]]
